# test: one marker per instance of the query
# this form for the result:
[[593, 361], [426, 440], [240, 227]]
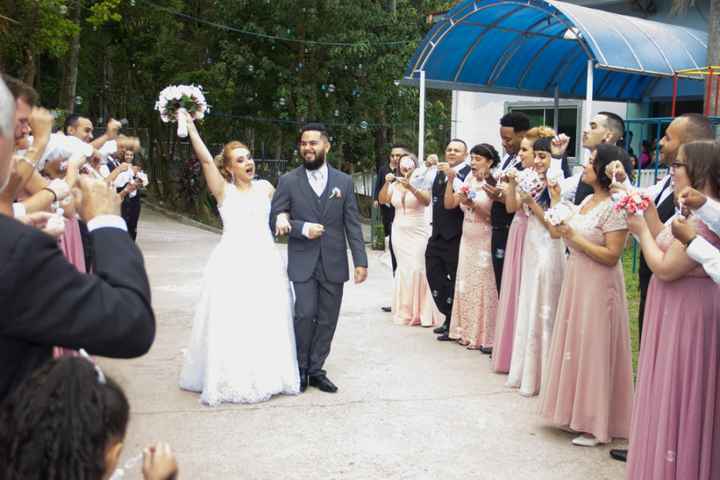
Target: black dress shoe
[[619, 454], [445, 338], [485, 350], [386, 309], [441, 329], [323, 383], [303, 380]]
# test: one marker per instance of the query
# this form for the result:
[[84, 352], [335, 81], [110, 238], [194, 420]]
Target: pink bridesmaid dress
[[675, 430], [589, 384], [476, 298], [412, 301], [71, 246], [509, 293]]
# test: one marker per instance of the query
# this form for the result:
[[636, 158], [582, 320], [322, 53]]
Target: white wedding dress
[[242, 348]]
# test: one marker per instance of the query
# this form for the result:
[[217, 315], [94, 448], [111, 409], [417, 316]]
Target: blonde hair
[[224, 160], [537, 133]]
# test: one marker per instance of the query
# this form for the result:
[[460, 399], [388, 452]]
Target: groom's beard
[[315, 163]]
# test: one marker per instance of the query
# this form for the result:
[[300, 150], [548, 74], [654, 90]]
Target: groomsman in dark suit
[[46, 302], [443, 249], [387, 212], [513, 127], [685, 129]]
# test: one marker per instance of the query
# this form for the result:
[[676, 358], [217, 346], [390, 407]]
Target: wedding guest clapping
[[412, 301], [476, 297], [68, 421], [47, 302], [543, 267], [588, 387], [675, 432]]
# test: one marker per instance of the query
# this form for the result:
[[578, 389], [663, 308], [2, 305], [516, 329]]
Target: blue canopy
[[530, 47]]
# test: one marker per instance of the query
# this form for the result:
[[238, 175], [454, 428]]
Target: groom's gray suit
[[318, 268]]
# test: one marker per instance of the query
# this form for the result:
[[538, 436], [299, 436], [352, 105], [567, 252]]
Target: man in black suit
[[685, 129], [513, 126], [387, 212], [46, 302], [443, 249]]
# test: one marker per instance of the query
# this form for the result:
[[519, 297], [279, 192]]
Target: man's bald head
[[687, 128]]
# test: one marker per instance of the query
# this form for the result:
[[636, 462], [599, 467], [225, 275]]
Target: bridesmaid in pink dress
[[589, 383], [676, 417], [512, 269], [475, 301], [412, 301]]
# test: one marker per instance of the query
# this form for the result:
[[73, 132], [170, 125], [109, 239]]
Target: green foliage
[[278, 64]]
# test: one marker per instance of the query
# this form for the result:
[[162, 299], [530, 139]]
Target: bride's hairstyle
[[60, 422], [224, 160]]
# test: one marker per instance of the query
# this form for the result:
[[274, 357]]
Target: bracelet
[[687, 244], [53, 194]]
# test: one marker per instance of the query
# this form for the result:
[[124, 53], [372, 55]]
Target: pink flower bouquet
[[465, 189], [634, 202]]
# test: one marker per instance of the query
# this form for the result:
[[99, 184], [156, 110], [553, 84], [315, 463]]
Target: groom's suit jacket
[[337, 212]]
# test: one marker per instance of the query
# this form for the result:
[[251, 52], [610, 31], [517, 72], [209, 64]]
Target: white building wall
[[476, 116]]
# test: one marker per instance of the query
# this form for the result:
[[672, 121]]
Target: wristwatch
[[687, 244]]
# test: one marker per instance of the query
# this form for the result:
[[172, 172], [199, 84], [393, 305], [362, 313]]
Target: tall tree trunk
[[70, 70], [713, 50]]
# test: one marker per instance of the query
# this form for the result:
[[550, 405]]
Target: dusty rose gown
[[589, 384], [476, 298], [70, 244], [509, 293], [412, 301], [676, 417]]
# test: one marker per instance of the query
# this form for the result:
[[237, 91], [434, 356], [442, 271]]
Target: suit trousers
[[441, 263], [498, 243], [392, 252], [644, 285], [317, 306], [130, 211]]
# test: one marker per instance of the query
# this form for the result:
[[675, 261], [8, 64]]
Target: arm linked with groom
[[323, 220]]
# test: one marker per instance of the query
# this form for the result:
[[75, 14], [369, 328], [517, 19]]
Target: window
[[542, 113]]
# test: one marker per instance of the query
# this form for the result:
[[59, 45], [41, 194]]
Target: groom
[[323, 219]]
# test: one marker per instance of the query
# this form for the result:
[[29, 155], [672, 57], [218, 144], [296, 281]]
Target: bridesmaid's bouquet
[[558, 214], [632, 203], [468, 192], [529, 181], [176, 98]]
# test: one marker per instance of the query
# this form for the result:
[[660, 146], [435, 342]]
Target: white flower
[[170, 97]]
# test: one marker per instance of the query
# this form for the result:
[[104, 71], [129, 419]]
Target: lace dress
[[476, 298], [543, 268], [242, 347], [589, 384]]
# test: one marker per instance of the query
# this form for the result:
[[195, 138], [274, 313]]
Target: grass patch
[[632, 290]]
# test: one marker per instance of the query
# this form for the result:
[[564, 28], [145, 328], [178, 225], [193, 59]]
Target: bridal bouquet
[[558, 214], [175, 98], [633, 202]]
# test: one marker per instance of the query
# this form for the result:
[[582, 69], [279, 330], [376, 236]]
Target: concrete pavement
[[409, 407]]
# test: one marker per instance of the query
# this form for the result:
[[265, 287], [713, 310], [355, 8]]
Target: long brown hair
[[224, 160], [703, 164]]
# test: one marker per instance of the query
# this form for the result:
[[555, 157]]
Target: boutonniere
[[336, 193]]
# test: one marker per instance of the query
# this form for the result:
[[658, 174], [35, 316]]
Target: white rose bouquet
[[176, 98]]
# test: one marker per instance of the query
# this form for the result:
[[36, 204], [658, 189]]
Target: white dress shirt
[[709, 213], [318, 181], [700, 249]]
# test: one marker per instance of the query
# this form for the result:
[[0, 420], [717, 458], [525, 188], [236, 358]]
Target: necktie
[[317, 182], [508, 161]]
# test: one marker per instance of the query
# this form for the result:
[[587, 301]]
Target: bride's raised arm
[[213, 177]]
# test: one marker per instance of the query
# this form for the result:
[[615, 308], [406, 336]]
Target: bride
[[242, 348]]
